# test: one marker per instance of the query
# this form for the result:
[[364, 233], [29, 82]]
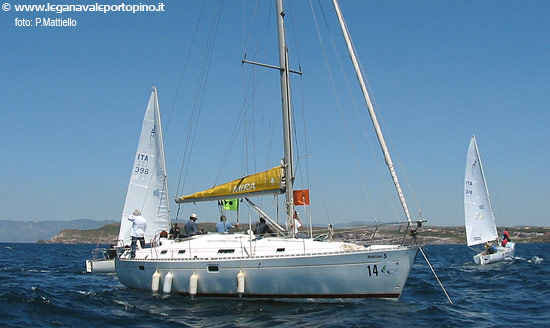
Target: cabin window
[[226, 251], [280, 249], [213, 268], [181, 251], [164, 252], [141, 267]]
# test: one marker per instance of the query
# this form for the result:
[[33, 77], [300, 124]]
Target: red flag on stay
[[301, 197]]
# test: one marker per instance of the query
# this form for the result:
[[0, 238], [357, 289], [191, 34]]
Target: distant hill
[[33, 231], [108, 234]]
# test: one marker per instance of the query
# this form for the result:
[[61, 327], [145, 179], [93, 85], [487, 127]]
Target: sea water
[[44, 285]]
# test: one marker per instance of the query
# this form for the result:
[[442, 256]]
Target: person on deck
[[223, 226], [139, 225], [505, 237], [296, 225], [262, 228], [175, 231], [489, 249], [111, 252], [190, 227], [163, 237]]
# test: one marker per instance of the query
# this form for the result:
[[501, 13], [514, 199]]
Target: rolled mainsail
[[268, 182]]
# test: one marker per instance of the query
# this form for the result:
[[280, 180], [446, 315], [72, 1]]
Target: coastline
[[434, 235]]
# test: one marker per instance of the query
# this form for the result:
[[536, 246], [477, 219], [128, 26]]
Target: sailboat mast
[[287, 113], [372, 114]]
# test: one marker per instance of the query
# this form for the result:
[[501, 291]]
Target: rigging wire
[[337, 98], [199, 94], [436, 277], [184, 69], [361, 121], [250, 86], [386, 134]]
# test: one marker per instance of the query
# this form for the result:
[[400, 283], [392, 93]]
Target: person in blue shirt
[[489, 249], [223, 226], [190, 227]]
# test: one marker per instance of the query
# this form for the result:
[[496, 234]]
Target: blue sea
[[44, 285]]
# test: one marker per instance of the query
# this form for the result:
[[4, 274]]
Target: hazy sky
[[73, 99]]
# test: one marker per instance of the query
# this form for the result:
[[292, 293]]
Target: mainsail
[[478, 214], [147, 190], [268, 182]]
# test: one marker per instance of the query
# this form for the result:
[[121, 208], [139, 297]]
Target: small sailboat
[[282, 267], [147, 190], [478, 213]]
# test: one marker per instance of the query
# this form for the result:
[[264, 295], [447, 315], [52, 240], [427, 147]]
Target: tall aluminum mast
[[287, 113]]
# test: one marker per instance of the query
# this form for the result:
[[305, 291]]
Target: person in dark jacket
[[262, 228], [175, 231]]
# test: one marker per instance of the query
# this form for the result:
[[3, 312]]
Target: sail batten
[[478, 213], [267, 182]]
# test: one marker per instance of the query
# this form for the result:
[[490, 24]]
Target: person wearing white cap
[[190, 227]]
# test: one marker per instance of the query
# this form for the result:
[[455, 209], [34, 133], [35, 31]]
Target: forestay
[[479, 219], [147, 190]]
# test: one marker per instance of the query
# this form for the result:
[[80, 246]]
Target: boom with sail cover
[[268, 182], [147, 189], [479, 218]]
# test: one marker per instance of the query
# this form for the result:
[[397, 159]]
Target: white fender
[[193, 284], [167, 286], [240, 283], [155, 281]]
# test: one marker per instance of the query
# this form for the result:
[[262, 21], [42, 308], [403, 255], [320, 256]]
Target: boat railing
[[390, 233]]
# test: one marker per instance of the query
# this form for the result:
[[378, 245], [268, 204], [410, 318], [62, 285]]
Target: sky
[[73, 99]]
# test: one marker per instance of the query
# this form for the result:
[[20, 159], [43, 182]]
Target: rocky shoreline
[[363, 235]]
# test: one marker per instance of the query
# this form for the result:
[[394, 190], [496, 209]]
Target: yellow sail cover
[[267, 182]]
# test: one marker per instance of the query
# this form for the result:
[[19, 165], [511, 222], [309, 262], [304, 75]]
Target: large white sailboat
[[274, 267], [478, 213], [147, 189]]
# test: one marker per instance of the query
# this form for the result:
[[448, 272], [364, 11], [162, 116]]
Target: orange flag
[[301, 197]]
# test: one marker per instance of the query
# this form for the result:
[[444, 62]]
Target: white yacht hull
[[366, 273], [100, 266], [502, 254]]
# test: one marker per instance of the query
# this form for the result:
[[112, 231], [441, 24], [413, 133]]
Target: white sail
[[147, 190], [478, 214]]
